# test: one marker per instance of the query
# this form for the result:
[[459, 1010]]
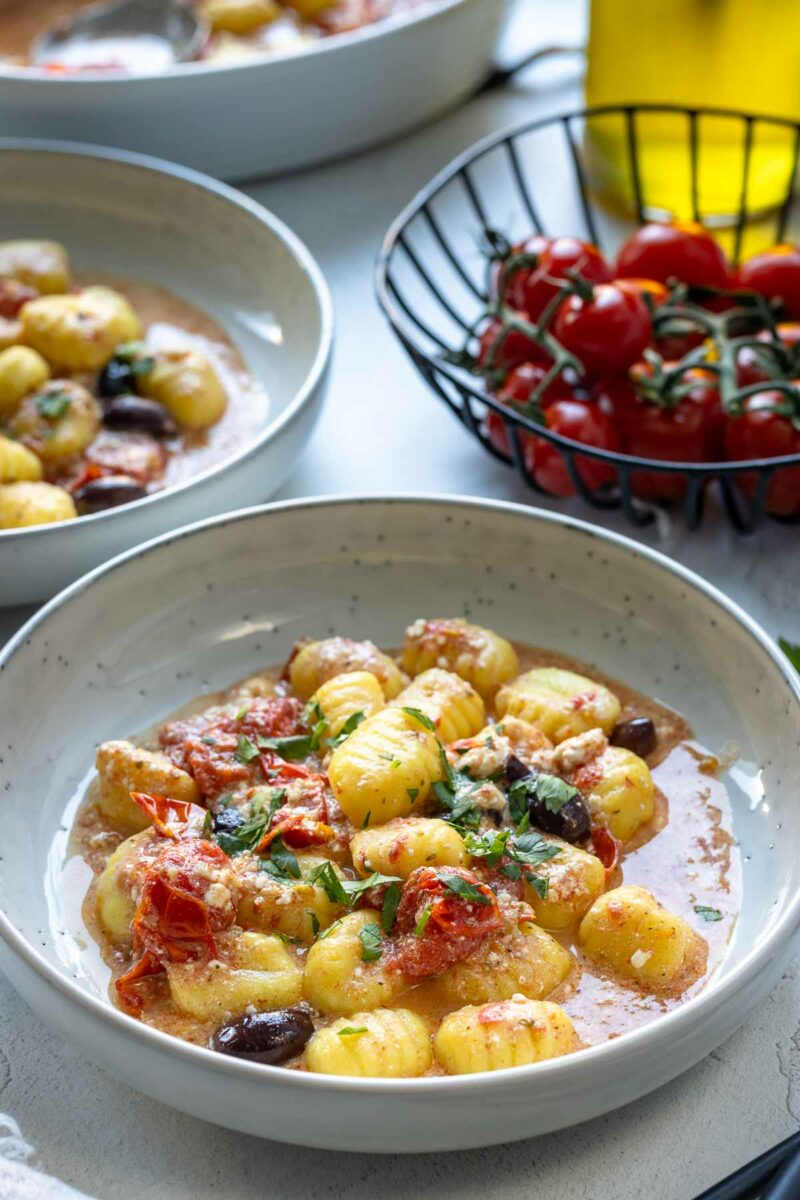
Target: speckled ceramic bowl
[[142, 219], [129, 643]]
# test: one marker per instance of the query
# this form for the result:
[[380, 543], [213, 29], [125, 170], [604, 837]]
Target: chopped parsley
[[549, 790], [792, 652], [455, 793], [248, 834], [133, 355], [708, 914], [412, 794], [245, 750], [352, 1030], [351, 724], [371, 938], [391, 900], [365, 822], [282, 863], [295, 748], [314, 923], [524, 848], [346, 891], [463, 888], [417, 715], [422, 923], [53, 404]]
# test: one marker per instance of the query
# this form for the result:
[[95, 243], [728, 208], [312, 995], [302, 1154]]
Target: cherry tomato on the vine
[[608, 332], [684, 250], [582, 421], [532, 288], [502, 347], [760, 432], [775, 274]]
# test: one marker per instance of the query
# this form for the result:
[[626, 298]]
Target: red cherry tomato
[[443, 915], [532, 288], [649, 289], [684, 250], [609, 332], [500, 277], [762, 433], [775, 274], [173, 819], [582, 421], [502, 348], [753, 368]]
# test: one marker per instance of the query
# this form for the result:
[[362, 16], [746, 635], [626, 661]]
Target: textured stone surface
[[99, 1135]]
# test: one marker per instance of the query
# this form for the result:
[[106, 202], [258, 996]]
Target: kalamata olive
[[637, 735], [570, 821], [132, 413], [116, 379], [107, 492], [516, 769], [227, 820], [265, 1037]]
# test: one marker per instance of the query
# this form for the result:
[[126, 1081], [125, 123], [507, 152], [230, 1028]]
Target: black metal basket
[[538, 177]]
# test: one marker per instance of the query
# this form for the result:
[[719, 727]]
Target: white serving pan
[[280, 112], [143, 219], [194, 611]]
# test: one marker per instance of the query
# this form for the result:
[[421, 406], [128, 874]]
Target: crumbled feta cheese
[[217, 896], [575, 752], [639, 958]]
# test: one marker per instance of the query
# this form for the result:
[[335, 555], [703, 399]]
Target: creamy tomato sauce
[[686, 855]]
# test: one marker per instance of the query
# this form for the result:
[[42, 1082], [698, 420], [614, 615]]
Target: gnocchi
[[41, 265], [22, 371], [24, 504], [187, 384], [476, 654], [346, 872], [79, 331]]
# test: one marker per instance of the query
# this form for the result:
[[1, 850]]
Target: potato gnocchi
[[448, 861], [107, 393]]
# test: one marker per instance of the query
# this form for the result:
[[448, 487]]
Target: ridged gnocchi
[[561, 703], [22, 371], [478, 655], [449, 701], [506, 1033], [57, 422], [356, 693], [41, 265], [574, 880], [186, 383], [297, 909], [338, 979], [315, 663], [123, 768], [628, 931], [406, 843], [523, 959], [385, 1043], [79, 331], [24, 504], [259, 970], [619, 791], [385, 768]]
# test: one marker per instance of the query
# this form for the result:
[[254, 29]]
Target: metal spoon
[[170, 22]]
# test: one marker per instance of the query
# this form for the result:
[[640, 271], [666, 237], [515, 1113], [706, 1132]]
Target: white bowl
[[122, 214], [133, 640], [279, 112]]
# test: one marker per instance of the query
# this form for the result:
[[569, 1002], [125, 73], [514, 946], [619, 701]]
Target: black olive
[[132, 413], [227, 820], [116, 379], [638, 735], [571, 822], [515, 769], [107, 492], [265, 1037]]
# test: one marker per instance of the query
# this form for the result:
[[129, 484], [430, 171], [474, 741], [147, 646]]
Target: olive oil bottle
[[739, 54]]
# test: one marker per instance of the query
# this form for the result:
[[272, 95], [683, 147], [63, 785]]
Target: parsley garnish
[[525, 849], [345, 891], [52, 405], [133, 354], [412, 794], [455, 793], [371, 937], [463, 888], [352, 1030], [314, 923], [282, 864], [365, 822], [245, 751], [391, 900], [247, 835], [351, 724], [708, 914], [417, 715], [422, 923], [792, 652], [549, 790]]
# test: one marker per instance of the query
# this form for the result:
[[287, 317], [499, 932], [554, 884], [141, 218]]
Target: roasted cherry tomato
[[173, 819], [582, 421], [607, 332], [763, 433], [685, 251], [531, 289], [443, 915], [775, 274]]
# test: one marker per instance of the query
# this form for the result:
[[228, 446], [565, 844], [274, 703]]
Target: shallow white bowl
[[126, 215], [129, 643], [279, 112]]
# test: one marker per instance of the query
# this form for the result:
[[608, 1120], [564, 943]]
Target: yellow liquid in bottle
[[739, 54]]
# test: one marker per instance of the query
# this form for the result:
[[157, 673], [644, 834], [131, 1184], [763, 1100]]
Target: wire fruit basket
[[543, 177]]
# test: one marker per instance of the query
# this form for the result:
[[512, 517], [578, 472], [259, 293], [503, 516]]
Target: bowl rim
[[564, 1069], [428, 10], [304, 261]]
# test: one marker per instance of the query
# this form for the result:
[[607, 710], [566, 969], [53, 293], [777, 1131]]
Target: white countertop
[[115, 1144]]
